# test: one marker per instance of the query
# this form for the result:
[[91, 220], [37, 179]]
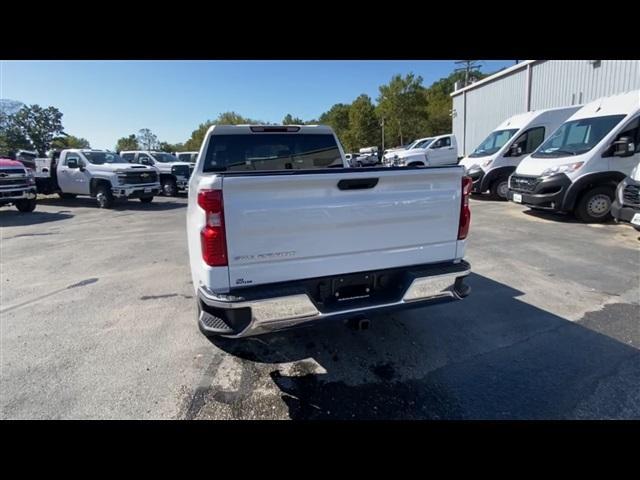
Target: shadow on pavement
[[119, 205], [13, 218], [558, 217], [491, 356]]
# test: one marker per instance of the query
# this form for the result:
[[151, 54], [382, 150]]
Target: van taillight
[[465, 212], [212, 236]]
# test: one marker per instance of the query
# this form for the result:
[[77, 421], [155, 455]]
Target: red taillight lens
[[465, 212], [212, 236]]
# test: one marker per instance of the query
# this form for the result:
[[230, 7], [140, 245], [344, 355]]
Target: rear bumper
[[9, 195], [624, 214], [271, 308]]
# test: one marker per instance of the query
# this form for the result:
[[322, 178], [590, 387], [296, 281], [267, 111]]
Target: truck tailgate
[[294, 225]]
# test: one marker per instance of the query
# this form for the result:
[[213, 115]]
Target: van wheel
[[146, 199], [169, 187], [499, 189], [66, 196], [104, 197], [26, 206], [594, 205]]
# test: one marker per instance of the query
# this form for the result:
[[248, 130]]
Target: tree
[[39, 125], [127, 143], [69, 141], [289, 120], [171, 147], [337, 117], [225, 118], [147, 139], [402, 105], [364, 130]]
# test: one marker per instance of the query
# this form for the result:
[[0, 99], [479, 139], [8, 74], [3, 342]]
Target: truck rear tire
[[500, 188], [26, 206], [169, 187], [146, 199], [104, 197], [67, 196], [594, 205]]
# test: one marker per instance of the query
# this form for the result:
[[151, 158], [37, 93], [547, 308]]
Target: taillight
[[465, 212], [212, 236]]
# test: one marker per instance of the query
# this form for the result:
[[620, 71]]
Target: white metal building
[[532, 85]]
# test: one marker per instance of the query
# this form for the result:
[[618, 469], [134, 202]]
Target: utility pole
[[382, 125], [467, 67]]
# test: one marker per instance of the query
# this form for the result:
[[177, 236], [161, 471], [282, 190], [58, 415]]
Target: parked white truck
[[100, 174], [17, 185], [388, 154], [497, 157], [275, 233], [429, 152], [174, 174], [188, 157], [579, 167]]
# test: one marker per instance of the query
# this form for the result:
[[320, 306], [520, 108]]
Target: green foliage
[[337, 117], [171, 147], [147, 139], [226, 118], [127, 143], [364, 129], [37, 125], [401, 104], [70, 141], [289, 120]]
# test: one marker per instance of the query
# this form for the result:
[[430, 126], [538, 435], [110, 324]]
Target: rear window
[[271, 151]]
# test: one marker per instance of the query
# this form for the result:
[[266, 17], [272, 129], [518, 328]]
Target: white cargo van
[[578, 168], [497, 157]]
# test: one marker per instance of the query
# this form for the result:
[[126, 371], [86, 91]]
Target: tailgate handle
[[357, 183]]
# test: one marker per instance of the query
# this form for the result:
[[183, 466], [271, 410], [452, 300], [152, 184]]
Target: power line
[[468, 66]]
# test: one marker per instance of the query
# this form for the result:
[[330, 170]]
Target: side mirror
[[73, 163], [515, 150], [623, 147], [81, 167]]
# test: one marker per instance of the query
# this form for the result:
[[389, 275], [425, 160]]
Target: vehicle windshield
[[187, 157], [99, 158], [164, 157], [577, 136], [281, 151], [494, 142], [423, 144]]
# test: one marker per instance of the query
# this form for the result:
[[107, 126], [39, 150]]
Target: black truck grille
[[181, 170], [631, 195], [136, 178], [10, 182], [523, 184]]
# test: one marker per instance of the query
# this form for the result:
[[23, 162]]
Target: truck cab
[[433, 151], [578, 168], [174, 174], [499, 154], [17, 185], [188, 157], [100, 174]]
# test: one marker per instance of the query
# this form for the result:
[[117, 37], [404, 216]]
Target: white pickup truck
[[100, 174], [427, 152], [276, 222], [174, 174]]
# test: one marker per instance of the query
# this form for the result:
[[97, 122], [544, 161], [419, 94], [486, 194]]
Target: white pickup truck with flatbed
[[281, 232], [100, 174]]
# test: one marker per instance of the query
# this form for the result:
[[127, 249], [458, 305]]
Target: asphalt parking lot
[[98, 320]]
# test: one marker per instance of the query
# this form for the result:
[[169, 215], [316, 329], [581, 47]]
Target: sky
[[105, 100]]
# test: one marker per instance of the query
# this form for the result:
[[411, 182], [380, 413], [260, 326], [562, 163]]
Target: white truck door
[[441, 152], [70, 178]]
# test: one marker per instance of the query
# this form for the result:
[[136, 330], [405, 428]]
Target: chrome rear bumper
[[279, 312]]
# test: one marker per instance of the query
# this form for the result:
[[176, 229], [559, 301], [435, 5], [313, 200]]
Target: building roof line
[[501, 73]]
